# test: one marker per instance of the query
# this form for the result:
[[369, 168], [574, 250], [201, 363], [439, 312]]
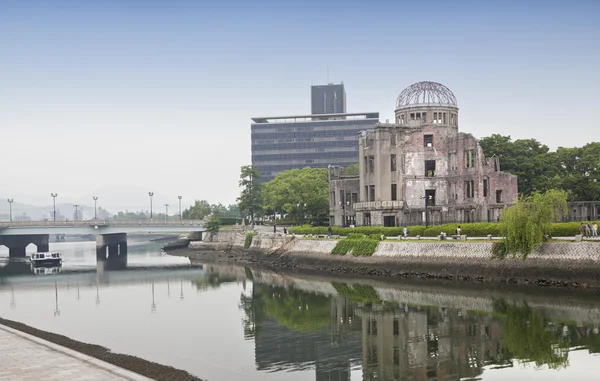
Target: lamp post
[[150, 194], [427, 199], [54, 205], [95, 207], [10, 201], [343, 205], [76, 217], [180, 215], [166, 213]]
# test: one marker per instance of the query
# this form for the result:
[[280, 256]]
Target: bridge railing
[[16, 224]]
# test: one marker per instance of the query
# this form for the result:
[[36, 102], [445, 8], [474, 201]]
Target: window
[[470, 158], [499, 196], [428, 140], [401, 119], [342, 200], [371, 192], [392, 139], [444, 118], [367, 219], [485, 187], [366, 164], [430, 197], [453, 194], [429, 168], [393, 162], [396, 327], [424, 116], [371, 163], [394, 193], [354, 198], [412, 116], [453, 161], [371, 143], [452, 119], [469, 189], [366, 192], [332, 198], [389, 221]]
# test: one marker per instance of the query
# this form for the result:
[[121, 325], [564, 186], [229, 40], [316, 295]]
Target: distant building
[[288, 142], [421, 169], [328, 99]]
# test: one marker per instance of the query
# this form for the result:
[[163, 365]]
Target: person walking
[[274, 228], [405, 231], [458, 231], [594, 229], [329, 231], [588, 230]]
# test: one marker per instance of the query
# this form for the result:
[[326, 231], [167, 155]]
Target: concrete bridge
[[111, 236]]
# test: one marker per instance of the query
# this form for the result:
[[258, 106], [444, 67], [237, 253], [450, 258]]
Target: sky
[[111, 98]]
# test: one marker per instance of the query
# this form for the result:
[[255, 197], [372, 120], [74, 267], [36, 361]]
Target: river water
[[235, 323]]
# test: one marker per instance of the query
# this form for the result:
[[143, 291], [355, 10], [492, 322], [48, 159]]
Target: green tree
[[580, 171], [198, 211], [250, 200], [303, 193], [213, 226], [525, 223], [530, 160], [351, 170]]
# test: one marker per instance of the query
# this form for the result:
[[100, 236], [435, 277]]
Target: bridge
[[111, 235]]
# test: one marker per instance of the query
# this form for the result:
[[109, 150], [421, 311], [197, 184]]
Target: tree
[[580, 171], [250, 200], [304, 193], [198, 211], [525, 223], [351, 170], [213, 226]]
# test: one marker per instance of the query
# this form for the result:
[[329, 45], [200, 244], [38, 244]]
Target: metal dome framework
[[426, 93]]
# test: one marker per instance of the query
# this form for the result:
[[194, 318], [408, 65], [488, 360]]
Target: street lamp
[[10, 201], [344, 212], [167, 212], [427, 200], [54, 204], [76, 215], [180, 215], [150, 194], [95, 207]]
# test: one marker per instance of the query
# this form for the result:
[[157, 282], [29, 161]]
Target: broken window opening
[[371, 192], [429, 168], [389, 221], [485, 186], [444, 118], [401, 119], [371, 143], [424, 116], [469, 189], [393, 162], [394, 193], [452, 119], [430, 197], [453, 161], [412, 116], [393, 139], [332, 198], [367, 219], [366, 164], [499, 196], [428, 140], [371, 163], [354, 198], [366, 192], [342, 200], [469, 158]]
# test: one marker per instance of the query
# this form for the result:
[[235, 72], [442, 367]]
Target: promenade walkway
[[28, 358]]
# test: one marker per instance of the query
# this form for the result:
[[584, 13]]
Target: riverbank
[[137, 365], [562, 264]]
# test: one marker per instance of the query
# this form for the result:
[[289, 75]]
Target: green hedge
[[248, 240], [230, 220], [358, 246], [476, 229]]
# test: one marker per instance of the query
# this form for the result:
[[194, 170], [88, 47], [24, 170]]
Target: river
[[232, 323]]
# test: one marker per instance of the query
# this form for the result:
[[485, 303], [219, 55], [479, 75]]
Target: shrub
[[230, 220], [248, 240], [564, 229], [356, 236], [358, 246], [499, 249], [377, 237]]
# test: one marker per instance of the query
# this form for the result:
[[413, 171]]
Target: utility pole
[[167, 212], [54, 204], [180, 215], [150, 194], [76, 217], [95, 208], [10, 201]]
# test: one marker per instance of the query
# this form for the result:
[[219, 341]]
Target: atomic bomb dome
[[426, 94]]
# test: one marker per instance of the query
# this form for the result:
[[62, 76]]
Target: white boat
[[45, 259]]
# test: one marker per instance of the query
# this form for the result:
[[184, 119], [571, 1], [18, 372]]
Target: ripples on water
[[231, 323]]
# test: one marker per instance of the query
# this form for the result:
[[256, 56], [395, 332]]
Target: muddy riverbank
[[135, 364]]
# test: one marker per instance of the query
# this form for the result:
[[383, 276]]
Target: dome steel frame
[[426, 93]]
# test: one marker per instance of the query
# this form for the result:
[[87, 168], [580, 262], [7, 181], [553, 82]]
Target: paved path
[[28, 358]]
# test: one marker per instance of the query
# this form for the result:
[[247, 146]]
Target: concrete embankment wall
[[556, 264]]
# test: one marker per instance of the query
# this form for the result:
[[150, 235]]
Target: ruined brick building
[[420, 169]]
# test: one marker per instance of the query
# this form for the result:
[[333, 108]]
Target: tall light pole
[[54, 204], [427, 199], [10, 201], [76, 215], [150, 194], [180, 215], [166, 212], [95, 207]]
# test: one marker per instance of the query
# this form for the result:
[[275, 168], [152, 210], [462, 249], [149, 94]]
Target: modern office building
[[288, 142], [328, 99]]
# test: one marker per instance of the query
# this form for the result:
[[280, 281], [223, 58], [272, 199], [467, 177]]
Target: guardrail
[[16, 224]]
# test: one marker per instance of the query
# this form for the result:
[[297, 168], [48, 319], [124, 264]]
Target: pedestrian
[[405, 231], [274, 228], [329, 231], [582, 230], [594, 229], [458, 231], [284, 230], [588, 230]]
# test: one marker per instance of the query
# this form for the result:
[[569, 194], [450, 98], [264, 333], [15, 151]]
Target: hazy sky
[[110, 96]]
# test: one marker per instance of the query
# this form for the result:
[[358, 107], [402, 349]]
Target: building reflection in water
[[298, 330]]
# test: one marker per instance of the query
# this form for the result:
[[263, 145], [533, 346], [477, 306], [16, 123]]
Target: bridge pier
[[17, 244], [111, 246]]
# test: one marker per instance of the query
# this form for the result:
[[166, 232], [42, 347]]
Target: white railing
[[86, 223], [369, 205]]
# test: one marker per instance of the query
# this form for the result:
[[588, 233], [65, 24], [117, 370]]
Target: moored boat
[[45, 259]]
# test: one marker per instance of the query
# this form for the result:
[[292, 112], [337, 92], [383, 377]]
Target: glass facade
[[279, 146]]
